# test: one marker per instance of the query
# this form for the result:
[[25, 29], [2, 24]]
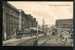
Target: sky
[[47, 11]]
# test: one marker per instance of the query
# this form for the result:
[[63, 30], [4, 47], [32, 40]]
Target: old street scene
[[37, 23]]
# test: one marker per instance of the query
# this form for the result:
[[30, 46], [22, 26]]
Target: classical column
[[4, 22], [20, 19]]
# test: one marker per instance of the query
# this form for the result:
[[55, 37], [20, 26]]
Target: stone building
[[26, 21], [34, 23], [65, 29], [29, 20], [14, 20], [65, 24], [10, 20], [22, 20]]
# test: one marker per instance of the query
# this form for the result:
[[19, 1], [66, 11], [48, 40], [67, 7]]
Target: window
[[16, 13], [7, 9]]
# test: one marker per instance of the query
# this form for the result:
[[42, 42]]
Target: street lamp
[[36, 40], [37, 36]]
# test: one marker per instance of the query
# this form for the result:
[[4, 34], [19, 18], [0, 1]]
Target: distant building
[[31, 21], [22, 20], [64, 29], [34, 22], [26, 21], [66, 24]]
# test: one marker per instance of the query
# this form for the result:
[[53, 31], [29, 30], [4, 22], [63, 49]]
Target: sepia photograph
[[28, 23]]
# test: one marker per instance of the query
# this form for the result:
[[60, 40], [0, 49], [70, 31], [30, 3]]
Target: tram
[[31, 32]]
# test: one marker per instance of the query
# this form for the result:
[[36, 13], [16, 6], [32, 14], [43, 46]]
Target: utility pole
[[37, 34], [43, 23], [36, 40]]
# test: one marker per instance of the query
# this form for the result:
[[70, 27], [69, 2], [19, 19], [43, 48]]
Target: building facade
[[10, 20], [66, 24], [65, 28], [14, 20], [26, 20]]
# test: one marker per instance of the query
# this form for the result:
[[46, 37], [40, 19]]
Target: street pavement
[[14, 42], [52, 43], [29, 41], [42, 40], [24, 41]]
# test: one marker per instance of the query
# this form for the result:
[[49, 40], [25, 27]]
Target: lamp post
[[43, 23], [36, 40], [37, 36]]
